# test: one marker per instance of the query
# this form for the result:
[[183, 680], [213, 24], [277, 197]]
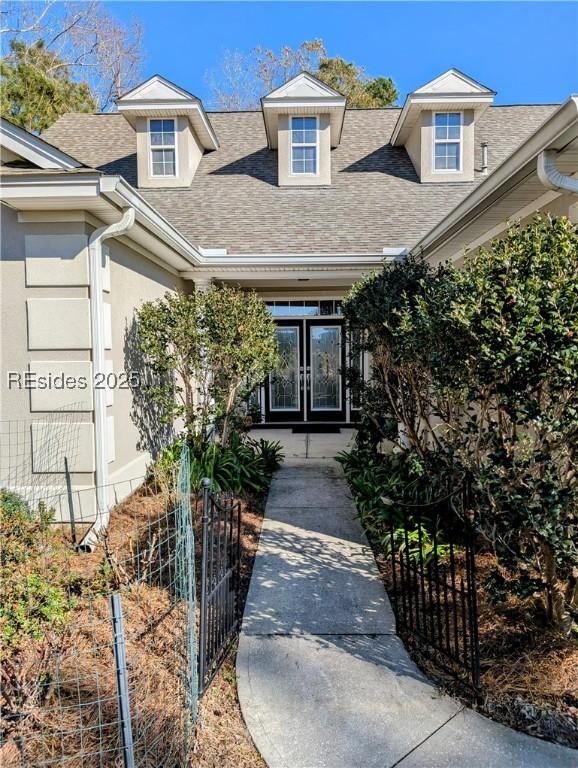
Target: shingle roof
[[375, 199]]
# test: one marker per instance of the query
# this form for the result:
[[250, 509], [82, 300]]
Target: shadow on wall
[[154, 433]]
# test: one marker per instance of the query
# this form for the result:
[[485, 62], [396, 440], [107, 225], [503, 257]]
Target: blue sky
[[501, 44]]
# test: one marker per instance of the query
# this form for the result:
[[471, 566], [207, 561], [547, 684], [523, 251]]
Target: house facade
[[297, 201]]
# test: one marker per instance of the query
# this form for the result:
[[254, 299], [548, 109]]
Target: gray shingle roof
[[375, 199]]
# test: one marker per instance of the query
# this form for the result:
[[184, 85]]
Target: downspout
[[99, 367], [551, 177]]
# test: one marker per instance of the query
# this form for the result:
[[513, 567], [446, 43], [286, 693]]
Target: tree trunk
[[554, 592]]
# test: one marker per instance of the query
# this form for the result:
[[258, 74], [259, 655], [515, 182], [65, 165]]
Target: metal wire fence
[[99, 655], [38, 454]]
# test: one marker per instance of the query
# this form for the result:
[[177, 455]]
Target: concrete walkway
[[323, 680]]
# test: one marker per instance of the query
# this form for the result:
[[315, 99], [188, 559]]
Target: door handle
[[308, 378]]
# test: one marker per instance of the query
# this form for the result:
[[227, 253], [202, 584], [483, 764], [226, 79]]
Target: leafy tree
[[241, 348], [37, 88], [351, 81], [383, 91], [171, 337], [244, 78], [400, 316], [477, 370], [207, 353]]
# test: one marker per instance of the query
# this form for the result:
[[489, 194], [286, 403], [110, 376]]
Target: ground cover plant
[[475, 373]]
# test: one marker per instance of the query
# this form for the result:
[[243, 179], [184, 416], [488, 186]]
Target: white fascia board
[[22, 186], [496, 185], [34, 149], [291, 261], [466, 98], [316, 103]]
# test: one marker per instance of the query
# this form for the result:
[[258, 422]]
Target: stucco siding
[[54, 416], [46, 331], [137, 431]]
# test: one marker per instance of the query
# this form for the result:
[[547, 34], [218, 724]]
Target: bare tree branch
[[85, 40]]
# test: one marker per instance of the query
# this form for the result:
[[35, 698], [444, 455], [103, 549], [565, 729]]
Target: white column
[[202, 283]]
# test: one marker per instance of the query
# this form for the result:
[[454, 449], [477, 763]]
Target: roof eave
[[34, 148]]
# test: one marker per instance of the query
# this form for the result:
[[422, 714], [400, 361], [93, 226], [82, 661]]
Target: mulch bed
[[529, 671], [153, 626]]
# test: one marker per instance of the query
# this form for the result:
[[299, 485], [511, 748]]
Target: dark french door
[[308, 384]]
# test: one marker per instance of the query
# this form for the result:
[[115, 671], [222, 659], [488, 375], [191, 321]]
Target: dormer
[[172, 129], [437, 125], [303, 122]]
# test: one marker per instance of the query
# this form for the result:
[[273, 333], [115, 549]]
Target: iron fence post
[[471, 571], [206, 490], [122, 680]]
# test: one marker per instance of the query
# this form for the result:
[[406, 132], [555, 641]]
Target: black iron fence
[[432, 550], [220, 612]]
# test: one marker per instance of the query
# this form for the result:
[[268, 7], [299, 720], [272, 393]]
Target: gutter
[[95, 242], [551, 177]]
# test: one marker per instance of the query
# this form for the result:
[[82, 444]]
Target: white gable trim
[[173, 91], [34, 149], [313, 89], [473, 86]]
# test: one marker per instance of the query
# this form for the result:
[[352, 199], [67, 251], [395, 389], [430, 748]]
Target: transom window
[[304, 145], [447, 141], [163, 147]]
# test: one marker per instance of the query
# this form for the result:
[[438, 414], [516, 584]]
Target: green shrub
[[34, 584], [35, 608], [270, 451], [476, 370], [244, 466]]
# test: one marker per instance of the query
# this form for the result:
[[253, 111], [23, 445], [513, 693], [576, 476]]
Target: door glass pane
[[285, 379], [325, 365]]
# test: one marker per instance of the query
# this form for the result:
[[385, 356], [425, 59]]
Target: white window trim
[[460, 141], [162, 146], [316, 145]]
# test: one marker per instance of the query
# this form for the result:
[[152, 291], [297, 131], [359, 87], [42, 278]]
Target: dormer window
[[162, 147], [448, 141], [304, 146], [437, 127]]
